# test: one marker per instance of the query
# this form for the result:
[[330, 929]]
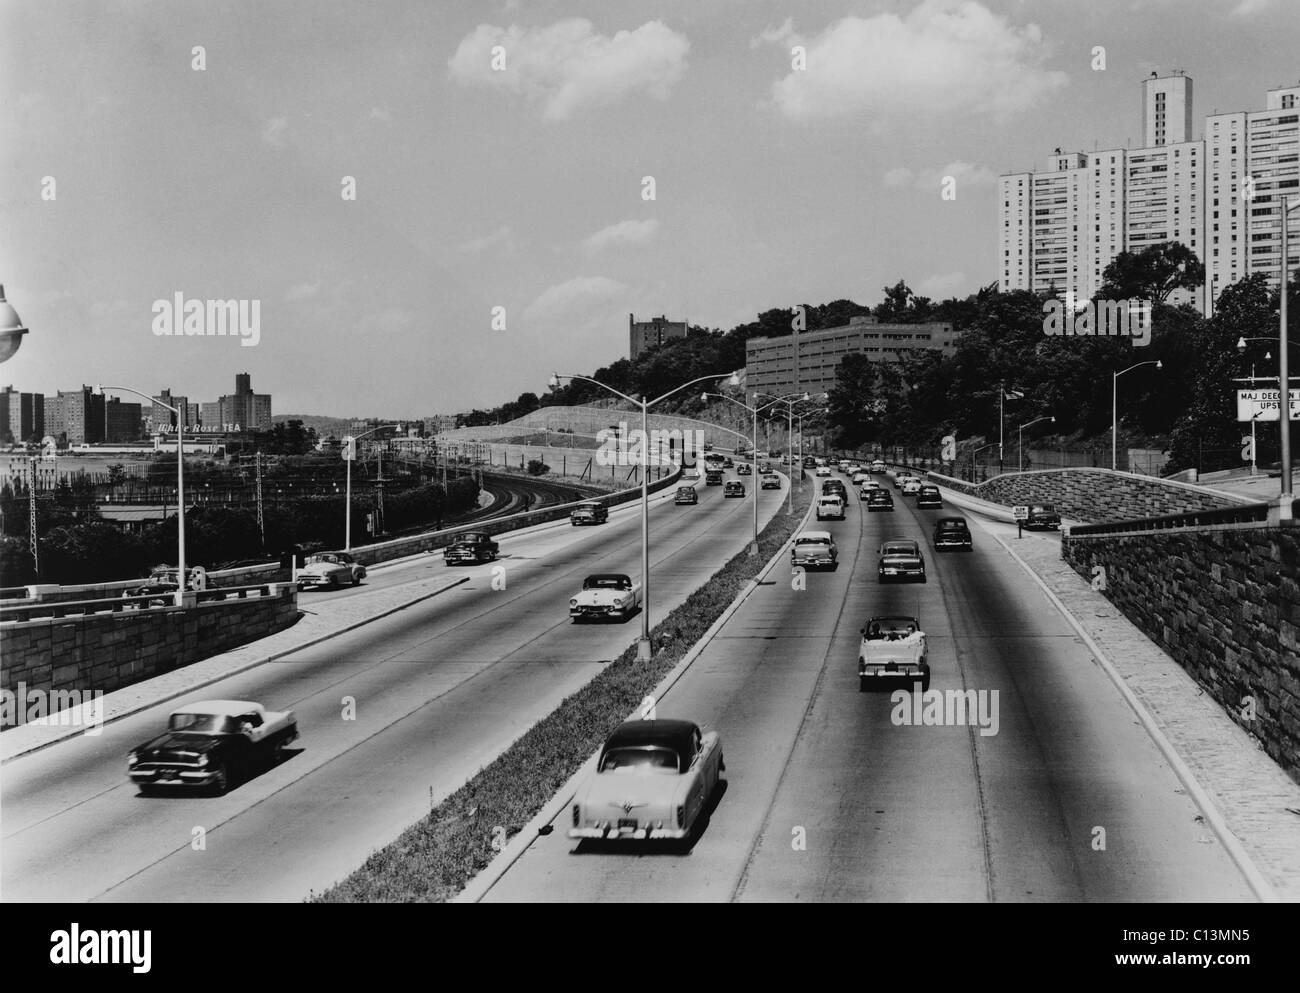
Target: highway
[[826, 799], [439, 689]]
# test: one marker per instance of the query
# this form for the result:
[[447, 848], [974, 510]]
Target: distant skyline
[[522, 187]]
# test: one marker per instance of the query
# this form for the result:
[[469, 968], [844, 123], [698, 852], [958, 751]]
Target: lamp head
[[734, 379], [97, 390], [1241, 344], [1159, 364], [555, 380]]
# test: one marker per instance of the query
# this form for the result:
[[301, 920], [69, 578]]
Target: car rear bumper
[[897, 672], [808, 563], [631, 834], [900, 575]]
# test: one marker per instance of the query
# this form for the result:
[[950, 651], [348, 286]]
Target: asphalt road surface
[[439, 690], [827, 799]]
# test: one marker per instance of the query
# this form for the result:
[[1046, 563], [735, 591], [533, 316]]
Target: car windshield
[[899, 548], [205, 723], [646, 759], [1042, 508], [813, 541], [607, 583], [322, 559], [890, 628]]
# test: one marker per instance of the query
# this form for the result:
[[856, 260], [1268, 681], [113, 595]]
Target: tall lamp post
[[1020, 458], [643, 649], [350, 449], [1114, 408], [100, 390], [789, 400]]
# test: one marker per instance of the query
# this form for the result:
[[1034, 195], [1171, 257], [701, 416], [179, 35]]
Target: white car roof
[[225, 708]]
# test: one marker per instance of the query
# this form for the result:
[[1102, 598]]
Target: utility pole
[[261, 527], [31, 504]]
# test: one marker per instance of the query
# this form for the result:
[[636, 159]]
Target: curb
[[1254, 878], [480, 885], [172, 695]]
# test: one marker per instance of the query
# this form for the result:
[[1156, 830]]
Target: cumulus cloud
[[945, 57], [941, 286], [502, 238], [622, 233], [965, 174], [568, 67], [573, 300], [274, 131]]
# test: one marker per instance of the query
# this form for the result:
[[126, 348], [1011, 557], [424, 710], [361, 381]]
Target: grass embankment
[[434, 859]]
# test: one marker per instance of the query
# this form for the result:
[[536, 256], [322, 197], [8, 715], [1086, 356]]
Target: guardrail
[[115, 605], [1251, 513]]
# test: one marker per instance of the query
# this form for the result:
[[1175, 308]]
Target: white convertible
[[606, 594], [652, 781], [893, 648]]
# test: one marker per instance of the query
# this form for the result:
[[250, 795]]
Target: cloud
[[1248, 8], [381, 114], [568, 67], [941, 286], [622, 233], [302, 291], [572, 300], [502, 237], [965, 174], [945, 57], [273, 131]]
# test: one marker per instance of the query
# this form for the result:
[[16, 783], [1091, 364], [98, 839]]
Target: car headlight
[[132, 759], [573, 603], [203, 760]]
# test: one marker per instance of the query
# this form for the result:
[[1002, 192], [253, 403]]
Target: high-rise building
[[22, 416], [1166, 109], [76, 415], [657, 330], [122, 421], [159, 419], [245, 410], [1254, 166], [210, 416], [807, 361]]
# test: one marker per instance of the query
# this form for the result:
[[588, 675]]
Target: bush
[[536, 467]]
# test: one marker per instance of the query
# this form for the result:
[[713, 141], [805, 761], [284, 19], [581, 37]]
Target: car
[[728, 463], [764, 467], [687, 494], [814, 550], [868, 486], [928, 496], [911, 486], [860, 477], [472, 546], [901, 558], [835, 486], [1043, 517], [744, 469], [330, 570], [878, 467], [879, 499], [823, 470], [713, 477], [830, 505], [892, 648], [605, 595], [653, 780], [770, 481], [708, 446], [773, 454], [159, 587], [952, 532], [809, 462], [211, 744], [589, 513], [901, 478], [734, 488]]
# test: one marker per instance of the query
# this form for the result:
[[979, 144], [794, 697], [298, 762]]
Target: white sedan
[[330, 570], [606, 595], [823, 470], [652, 781]]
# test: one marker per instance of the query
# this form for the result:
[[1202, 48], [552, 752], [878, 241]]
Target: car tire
[[148, 790], [925, 682], [356, 580], [221, 784], [862, 684]]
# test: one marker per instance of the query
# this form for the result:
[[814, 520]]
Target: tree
[[1153, 273], [853, 406]]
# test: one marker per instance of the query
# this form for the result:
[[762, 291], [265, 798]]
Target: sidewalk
[[1259, 803], [313, 626]]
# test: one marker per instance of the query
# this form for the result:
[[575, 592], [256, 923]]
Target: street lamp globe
[[11, 329]]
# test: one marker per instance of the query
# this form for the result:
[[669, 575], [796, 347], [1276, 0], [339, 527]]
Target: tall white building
[[1090, 206]]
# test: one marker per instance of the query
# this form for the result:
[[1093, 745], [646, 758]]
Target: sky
[[502, 226]]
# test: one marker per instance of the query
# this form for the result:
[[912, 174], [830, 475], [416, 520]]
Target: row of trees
[[1188, 406]]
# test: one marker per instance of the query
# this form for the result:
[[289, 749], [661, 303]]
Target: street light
[[789, 430], [1286, 498], [1114, 409], [1021, 456], [100, 390], [643, 649], [349, 442]]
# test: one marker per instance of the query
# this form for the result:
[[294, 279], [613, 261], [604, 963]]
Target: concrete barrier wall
[[1224, 603], [51, 593], [105, 652], [1094, 495]]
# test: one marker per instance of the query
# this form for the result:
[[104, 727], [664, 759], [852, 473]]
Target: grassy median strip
[[434, 859]]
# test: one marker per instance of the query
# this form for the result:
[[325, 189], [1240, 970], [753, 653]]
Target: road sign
[[1022, 513], [1265, 404]]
